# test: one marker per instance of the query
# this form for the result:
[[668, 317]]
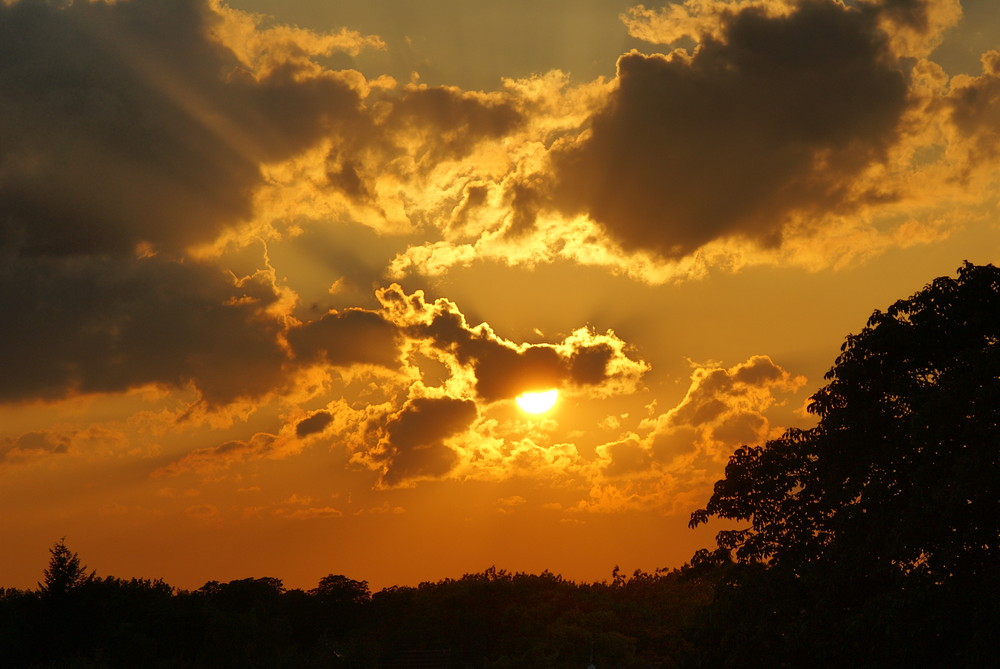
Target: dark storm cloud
[[126, 122], [100, 324], [345, 338], [589, 364], [125, 127], [503, 373], [740, 428], [774, 120], [525, 201], [413, 443], [625, 458]]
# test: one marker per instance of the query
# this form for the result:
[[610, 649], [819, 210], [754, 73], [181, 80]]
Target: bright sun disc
[[537, 402]]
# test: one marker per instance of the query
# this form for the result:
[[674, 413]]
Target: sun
[[537, 402]]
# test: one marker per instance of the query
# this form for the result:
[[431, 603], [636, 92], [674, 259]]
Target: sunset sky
[[274, 271]]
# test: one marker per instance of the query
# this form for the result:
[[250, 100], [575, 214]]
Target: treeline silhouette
[[869, 540], [490, 619]]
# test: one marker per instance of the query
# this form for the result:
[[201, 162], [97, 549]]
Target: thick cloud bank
[[772, 121]]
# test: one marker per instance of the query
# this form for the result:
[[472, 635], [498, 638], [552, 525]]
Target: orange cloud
[[501, 369], [263, 49], [677, 459], [972, 104], [216, 458], [32, 446]]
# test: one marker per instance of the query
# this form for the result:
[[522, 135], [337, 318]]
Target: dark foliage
[[64, 573], [874, 535], [490, 619]]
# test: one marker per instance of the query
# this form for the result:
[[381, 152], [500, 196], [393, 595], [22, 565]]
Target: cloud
[[409, 386], [507, 505], [914, 27], [438, 123], [624, 458], [216, 458], [718, 391], [302, 508], [131, 135], [263, 48], [695, 19], [676, 456], [310, 513], [127, 123], [402, 164], [32, 446], [413, 442], [93, 324], [352, 336], [774, 121], [40, 444], [972, 104], [313, 424], [785, 131], [500, 369]]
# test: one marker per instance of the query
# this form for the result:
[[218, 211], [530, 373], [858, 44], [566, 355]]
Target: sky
[[274, 273]]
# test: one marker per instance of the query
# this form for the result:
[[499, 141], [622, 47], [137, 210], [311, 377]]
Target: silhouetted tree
[[64, 573], [893, 492], [340, 590], [902, 468], [493, 619]]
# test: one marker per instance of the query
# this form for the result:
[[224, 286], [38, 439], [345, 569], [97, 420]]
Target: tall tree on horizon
[[900, 475], [64, 573], [874, 535]]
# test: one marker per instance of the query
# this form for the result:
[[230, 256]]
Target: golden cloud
[[500, 369], [679, 455]]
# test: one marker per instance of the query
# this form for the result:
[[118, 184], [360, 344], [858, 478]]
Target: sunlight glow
[[538, 402]]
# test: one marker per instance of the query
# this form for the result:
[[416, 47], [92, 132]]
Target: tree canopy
[[899, 476], [64, 573], [495, 619]]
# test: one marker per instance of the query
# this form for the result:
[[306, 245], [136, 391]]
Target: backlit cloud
[[501, 369], [678, 453], [774, 121], [130, 135], [352, 336], [413, 443], [973, 104], [794, 131], [89, 323]]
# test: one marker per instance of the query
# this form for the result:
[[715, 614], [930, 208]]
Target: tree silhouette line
[[869, 540], [491, 619]]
